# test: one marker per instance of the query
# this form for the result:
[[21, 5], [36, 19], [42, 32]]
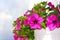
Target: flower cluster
[[43, 15]]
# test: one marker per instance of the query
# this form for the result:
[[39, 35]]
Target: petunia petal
[[51, 18], [15, 37], [58, 24], [51, 5], [26, 39], [36, 16], [39, 26], [21, 38], [36, 26], [32, 26], [18, 24], [51, 27], [40, 19], [48, 19], [26, 22], [17, 27]]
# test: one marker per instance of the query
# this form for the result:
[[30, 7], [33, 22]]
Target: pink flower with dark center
[[34, 21], [18, 26], [52, 22], [51, 5]]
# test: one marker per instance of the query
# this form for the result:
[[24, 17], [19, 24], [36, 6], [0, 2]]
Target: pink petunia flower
[[27, 14], [58, 14], [34, 21], [52, 22], [18, 24], [51, 5], [15, 37], [58, 25], [26, 22], [22, 38], [19, 38], [26, 38]]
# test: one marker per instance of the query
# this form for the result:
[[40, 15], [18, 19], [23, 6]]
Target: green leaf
[[43, 16], [59, 18], [43, 24], [21, 32], [14, 31], [22, 26], [14, 24], [31, 39], [40, 5], [37, 6], [31, 35], [23, 18], [43, 4]]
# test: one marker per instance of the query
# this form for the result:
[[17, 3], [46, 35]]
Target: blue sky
[[9, 11]]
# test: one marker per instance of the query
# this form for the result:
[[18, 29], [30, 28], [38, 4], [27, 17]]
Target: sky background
[[9, 11]]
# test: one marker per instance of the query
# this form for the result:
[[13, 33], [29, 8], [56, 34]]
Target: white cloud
[[5, 16], [1, 28]]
